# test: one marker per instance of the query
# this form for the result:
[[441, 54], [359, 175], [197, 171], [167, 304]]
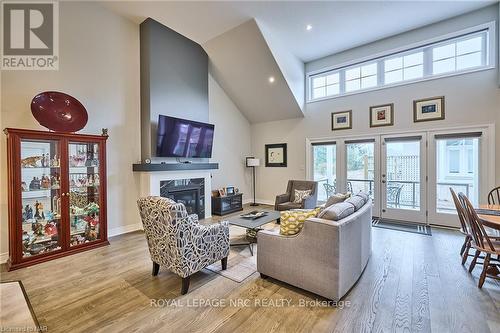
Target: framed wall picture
[[428, 109], [341, 120], [276, 155], [230, 190], [382, 115]]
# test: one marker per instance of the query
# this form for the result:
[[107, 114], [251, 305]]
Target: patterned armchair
[[177, 242]]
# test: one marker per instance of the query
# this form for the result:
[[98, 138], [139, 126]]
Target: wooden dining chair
[[482, 243], [464, 251], [494, 196]]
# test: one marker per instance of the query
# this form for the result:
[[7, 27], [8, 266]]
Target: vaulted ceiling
[[249, 41], [232, 54], [336, 25]]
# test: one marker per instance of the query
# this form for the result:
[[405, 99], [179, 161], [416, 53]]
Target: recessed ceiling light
[[309, 27], [271, 79]]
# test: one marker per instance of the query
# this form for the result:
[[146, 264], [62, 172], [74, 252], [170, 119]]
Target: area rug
[[240, 264], [415, 228], [16, 313]]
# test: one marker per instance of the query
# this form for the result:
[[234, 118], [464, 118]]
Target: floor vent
[[415, 228]]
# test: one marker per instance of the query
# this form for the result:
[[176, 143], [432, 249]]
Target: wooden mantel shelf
[[151, 167]]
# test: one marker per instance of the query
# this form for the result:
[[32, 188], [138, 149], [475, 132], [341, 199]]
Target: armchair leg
[[185, 285], [224, 263], [156, 269]]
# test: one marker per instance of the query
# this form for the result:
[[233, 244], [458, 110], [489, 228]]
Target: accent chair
[[286, 201], [178, 242]]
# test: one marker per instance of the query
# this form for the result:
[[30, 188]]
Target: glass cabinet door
[[40, 196], [84, 192]]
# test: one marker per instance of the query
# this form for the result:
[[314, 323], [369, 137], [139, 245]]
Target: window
[[402, 68], [459, 55], [454, 161], [457, 167], [324, 169], [328, 85], [464, 52], [460, 155], [361, 77]]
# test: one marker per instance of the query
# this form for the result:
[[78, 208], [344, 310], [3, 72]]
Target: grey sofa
[[285, 201], [326, 257]]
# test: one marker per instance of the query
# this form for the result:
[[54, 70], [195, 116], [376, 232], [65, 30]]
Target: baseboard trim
[[4, 257], [262, 202], [265, 202], [124, 229]]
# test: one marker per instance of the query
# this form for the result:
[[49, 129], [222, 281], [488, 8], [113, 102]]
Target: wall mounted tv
[[183, 138]]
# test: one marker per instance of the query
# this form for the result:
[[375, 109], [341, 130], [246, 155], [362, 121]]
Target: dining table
[[490, 215]]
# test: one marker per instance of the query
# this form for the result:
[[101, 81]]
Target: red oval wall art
[[59, 112]]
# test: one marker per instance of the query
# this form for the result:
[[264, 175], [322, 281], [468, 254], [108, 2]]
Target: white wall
[[470, 99], [292, 68], [99, 65], [231, 141]]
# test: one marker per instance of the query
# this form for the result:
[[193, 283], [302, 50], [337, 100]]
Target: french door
[[459, 161], [403, 177], [408, 175]]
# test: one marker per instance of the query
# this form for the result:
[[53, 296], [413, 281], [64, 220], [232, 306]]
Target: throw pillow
[[364, 195], [356, 201], [336, 198], [292, 221], [337, 211], [300, 195]]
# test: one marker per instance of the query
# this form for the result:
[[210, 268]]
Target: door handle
[[383, 181]]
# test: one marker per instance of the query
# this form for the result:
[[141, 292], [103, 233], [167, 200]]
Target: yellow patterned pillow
[[292, 221]]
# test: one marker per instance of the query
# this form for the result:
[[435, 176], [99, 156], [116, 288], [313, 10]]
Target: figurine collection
[[84, 158], [42, 161], [41, 227], [41, 217], [43, 183]]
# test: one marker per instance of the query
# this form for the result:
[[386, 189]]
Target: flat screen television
[[183, 138]]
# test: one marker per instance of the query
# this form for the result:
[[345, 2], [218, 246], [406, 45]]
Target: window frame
[[426, 46]]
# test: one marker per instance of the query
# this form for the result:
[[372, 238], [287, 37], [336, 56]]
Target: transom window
[[401, 68], [328, 85], [459, 55], [361, 77], [465, 52]]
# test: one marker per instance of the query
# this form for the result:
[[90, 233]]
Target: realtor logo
[[30, 34]]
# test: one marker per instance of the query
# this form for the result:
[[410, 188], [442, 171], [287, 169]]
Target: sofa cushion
[[364, 195], [337, 211], [292, 221], [300, 195], [336, 198], [356, 201]]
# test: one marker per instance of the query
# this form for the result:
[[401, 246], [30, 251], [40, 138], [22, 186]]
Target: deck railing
[[410, 191]]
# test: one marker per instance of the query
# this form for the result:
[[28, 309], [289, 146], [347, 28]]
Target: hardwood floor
[[412, 283]]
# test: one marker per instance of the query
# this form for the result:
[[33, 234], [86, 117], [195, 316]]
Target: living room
[[330, 134]]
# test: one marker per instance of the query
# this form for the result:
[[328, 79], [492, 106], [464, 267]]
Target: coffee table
[[253, 225]]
